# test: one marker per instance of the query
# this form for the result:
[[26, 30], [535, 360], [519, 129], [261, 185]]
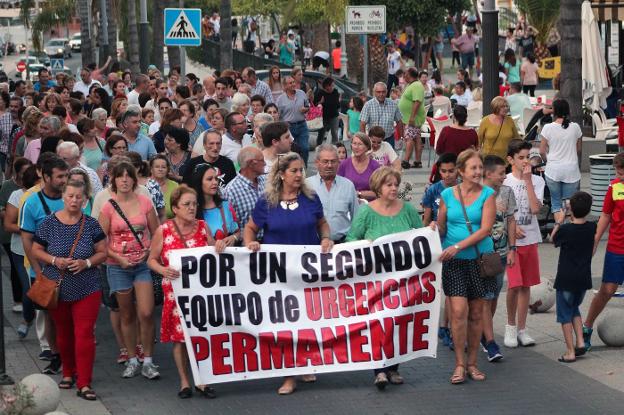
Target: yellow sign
[[549, 67]]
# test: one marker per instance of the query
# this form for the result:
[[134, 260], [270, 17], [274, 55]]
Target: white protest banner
[[291, 310]]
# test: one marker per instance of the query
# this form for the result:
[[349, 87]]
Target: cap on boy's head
[[516, 146], [580, 204], [491, 162]]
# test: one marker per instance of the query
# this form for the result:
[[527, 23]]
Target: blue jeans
[[559, 191], [301, 136], [390, 140], [28, 308], [468, 60]]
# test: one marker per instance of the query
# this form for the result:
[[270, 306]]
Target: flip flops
[[562, 359]]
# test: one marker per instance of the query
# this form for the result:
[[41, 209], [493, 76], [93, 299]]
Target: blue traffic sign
[[57, 65], [183, 27]]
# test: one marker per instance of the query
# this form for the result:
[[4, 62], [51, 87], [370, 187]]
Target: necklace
[[291, 204]]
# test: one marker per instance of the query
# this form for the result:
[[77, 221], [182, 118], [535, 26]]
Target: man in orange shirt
[[336, 52]]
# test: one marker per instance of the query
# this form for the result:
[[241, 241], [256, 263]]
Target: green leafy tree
[[52, 13], [541, 14]]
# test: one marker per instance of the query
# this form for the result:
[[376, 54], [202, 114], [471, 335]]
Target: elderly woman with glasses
[[497, 130], [289, 213], [360, 166]]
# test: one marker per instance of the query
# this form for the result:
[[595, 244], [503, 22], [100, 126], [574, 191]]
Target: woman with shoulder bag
[[465, 218], [71, 245], [129, 219], [183, 231]]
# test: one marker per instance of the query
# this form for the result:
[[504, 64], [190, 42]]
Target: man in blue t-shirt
[[36, 207], [44, 81], [131, 122]]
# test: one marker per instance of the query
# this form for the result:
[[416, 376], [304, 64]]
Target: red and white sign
[[292, 310], [21, 66]]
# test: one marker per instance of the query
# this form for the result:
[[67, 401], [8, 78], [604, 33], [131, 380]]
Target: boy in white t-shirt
[[525, 272], [382, 152]]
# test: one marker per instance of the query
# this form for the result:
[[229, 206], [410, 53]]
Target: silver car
[[58, 48]]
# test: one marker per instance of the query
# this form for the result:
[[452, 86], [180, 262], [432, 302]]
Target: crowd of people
[[105, 177]]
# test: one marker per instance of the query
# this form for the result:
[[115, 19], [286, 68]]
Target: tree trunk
[[112, 29], [355, 58], [571, 62], [159, 36], [133, 38], [320, 37], [86, 45], [226, 35], [378, 66]]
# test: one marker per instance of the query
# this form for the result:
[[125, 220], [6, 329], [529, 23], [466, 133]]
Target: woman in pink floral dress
[[183, 231]]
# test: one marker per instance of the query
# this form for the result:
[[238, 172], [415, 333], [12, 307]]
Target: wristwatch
[[88, 263], [456, 246], [513, 248]]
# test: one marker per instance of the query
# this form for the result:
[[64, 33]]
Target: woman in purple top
[[360, 166], [289, 213]]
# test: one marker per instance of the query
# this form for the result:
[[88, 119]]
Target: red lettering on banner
[[390, 301], [219, 353], [356, 341], [430, 294], [402, 322], [244, 352], [334, 345], [308, 348], [382, 338], [360, 309], [330, 308], [201, 348], [415, 290], [420, 328], [374, 294], [313, 303], [347, 305], [277, 353], [403, 292]]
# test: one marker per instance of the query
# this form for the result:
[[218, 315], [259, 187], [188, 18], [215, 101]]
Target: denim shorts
[[568, 303], [559, 191], [492, 295], [120, 279]]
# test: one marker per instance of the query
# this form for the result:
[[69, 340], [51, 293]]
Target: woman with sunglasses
[[216, 212], [289, 213]]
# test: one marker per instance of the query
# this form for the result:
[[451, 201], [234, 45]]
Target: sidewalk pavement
[[528, 380]]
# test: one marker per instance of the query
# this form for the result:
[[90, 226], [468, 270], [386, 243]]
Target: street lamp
[[489, 68]]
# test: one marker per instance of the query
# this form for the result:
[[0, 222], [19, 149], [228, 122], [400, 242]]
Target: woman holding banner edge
[[385, 215], [183, 231], [289, 213], [461, 276]]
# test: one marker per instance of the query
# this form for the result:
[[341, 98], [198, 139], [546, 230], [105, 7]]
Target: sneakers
[[150, 371], [138, 351], [524, 339], [123, 356], [394, 377], [381, 380], [444, 334], [405, 164], [54, 368], [511, 336], [46, 355], [493, 351], [132, 369], [22, 331], [451, 344], [587, 333], [17, 308]]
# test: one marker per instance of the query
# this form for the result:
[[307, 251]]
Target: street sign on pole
[[362, 20], [57, 65], [21, 66], [182, 27]]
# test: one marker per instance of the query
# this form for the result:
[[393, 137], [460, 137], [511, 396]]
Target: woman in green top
[[497, 130], [512, 67], [384, 216], [159, 171]]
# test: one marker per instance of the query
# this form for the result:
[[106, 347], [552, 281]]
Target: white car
[[75, 42], [58, 48]]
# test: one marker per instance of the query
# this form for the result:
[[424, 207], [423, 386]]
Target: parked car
[[58, 48], [313, 79], [75, 42], [40, 57]]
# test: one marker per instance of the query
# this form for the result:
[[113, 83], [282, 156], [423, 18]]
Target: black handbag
[[156, 278], [490, 264]]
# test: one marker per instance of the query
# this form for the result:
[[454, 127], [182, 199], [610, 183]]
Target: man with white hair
[[243, 192], [383, 112], [70, 152], [110, 80]]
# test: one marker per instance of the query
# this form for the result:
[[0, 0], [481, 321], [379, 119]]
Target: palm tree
[[86, 46], [133, 38], [158, 34], [226, 34], [571, 62], [113, 15]]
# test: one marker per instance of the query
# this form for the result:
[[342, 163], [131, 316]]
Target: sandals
[[87, 394], [207, 392], [308, 378], [562, 359], [475, 374], [66, 384], [580, 351], [458, 377]]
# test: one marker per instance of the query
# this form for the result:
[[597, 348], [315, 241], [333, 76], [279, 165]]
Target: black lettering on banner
[[363, 262], [326, 267], [254, 305], [307, 259], [198, 312], [383, 258], [274, 269], [422, 252], [183, 301], [189, 267], [215, 310], [344, 268], [402, 255], [283, 308]]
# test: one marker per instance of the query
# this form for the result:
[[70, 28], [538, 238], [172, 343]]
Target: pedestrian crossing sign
[[57, 65], [182, 27]]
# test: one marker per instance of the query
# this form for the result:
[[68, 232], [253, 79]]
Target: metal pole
[[182, 51], [144, 36], [104, 29], [4, 378], [365, 81], [490, 53], [343, 52]]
